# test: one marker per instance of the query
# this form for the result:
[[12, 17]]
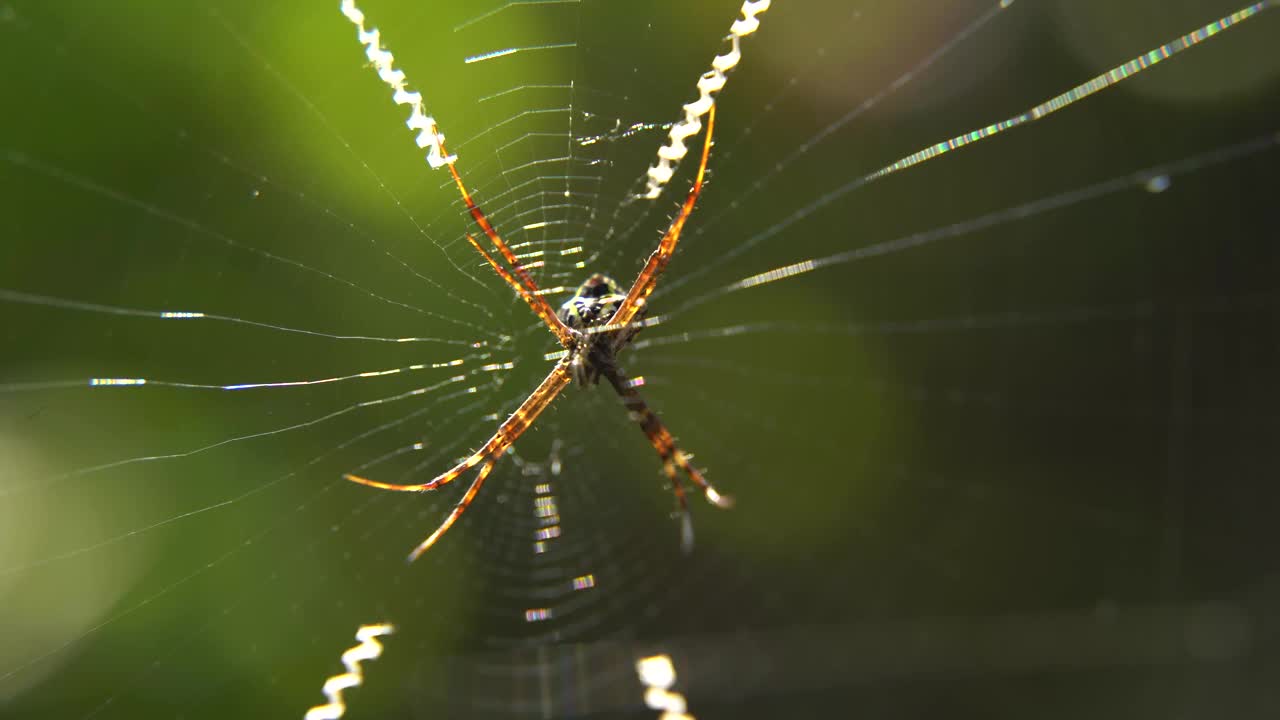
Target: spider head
[[595, 301]]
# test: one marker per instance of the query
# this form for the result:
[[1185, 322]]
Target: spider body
[[593, 305]]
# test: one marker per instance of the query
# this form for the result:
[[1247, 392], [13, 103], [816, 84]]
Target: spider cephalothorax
[[595, 301], [591, 307]]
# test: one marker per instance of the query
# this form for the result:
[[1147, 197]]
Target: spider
[[593, 326]]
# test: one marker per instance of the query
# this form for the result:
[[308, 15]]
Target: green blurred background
[[1026, 470]]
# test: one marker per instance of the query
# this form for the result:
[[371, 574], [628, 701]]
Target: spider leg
[[507, 433], [529, 298], [665, 445], [460, 508], [686, 524], [529, 289], [657, 263]]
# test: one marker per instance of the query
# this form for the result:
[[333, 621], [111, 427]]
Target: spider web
[[997, 424]]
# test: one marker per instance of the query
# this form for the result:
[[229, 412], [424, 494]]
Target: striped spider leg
[[592, 327], [487, 456]]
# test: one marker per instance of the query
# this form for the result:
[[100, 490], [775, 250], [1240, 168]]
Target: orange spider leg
[[528, 297], [507, 433], [648, 278], [665, 445], [460, 507], [529, 291]]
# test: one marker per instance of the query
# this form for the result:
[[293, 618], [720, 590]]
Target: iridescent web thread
[[1081, 91]]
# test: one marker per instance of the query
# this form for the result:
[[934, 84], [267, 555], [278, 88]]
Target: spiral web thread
[[429, 136], [368, 649], [711, 82]]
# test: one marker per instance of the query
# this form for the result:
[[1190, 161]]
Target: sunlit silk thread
[[1079, 92]]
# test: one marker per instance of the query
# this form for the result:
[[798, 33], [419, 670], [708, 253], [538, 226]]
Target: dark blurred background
[[1020, 468]]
